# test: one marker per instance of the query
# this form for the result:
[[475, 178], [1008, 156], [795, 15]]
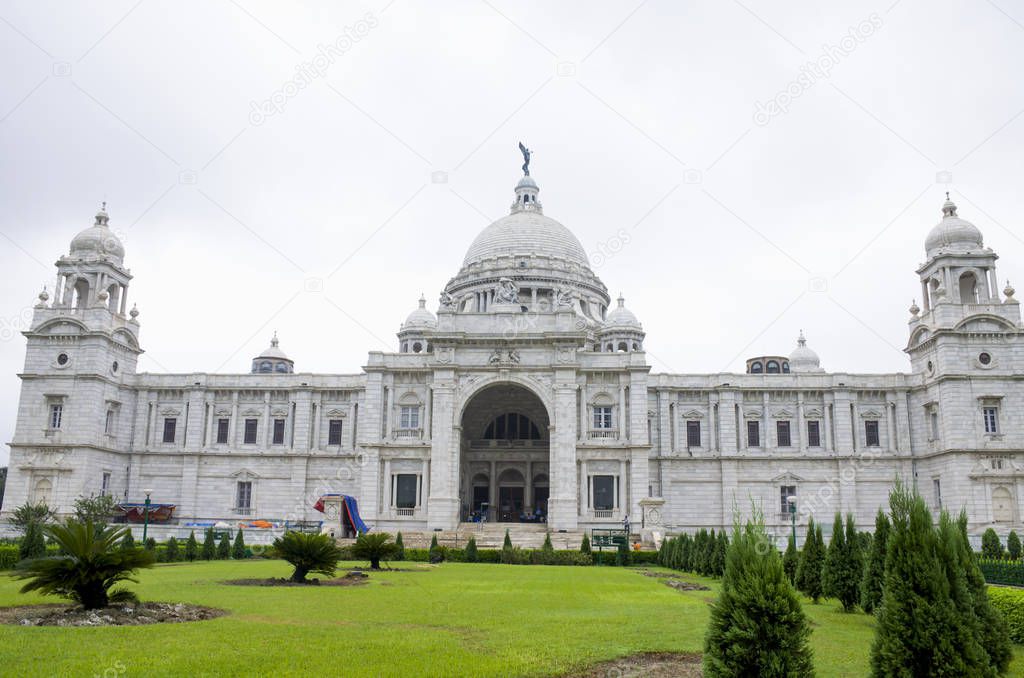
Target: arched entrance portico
[[504, 460]]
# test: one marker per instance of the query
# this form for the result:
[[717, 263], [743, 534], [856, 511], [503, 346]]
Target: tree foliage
[[791, 560], [1013, 546], [308, 554], [585, 544], [209, 546], [224, 547], [471, 555], [375, 547], [844, 564], [191, 547], [29, 513], [172, 553], [874, 568], [92, 561], [33, 543], [436, 555], [99, 509], [238, 546], [400, 547], [991, 547], [812, 562], [757, 626]]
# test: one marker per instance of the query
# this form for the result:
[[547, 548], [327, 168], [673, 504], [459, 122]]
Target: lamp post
[[145, 524], [791, 500]]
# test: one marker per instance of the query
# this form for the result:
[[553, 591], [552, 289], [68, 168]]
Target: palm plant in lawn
[[92, 561], [375, 548], [308, 553]]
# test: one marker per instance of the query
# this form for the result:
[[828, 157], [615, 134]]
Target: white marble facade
[[529, 391]]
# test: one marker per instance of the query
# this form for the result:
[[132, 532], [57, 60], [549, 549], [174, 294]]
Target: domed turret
[[421, 317], [272, 360], [952, 234], [98, 241], [412, 337], [621, 331], [803, 359], [622, 316]]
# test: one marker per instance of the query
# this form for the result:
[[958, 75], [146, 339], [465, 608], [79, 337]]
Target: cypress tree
[[33, 543], [238, 547], [507, 544], [681, 552], [831, 555], [472, 556], [400, 547], [434, 555], [791, 560], [721, 548], [874, 568], [224, 547], [191, 547], [128, 542], [994, 635], [920, 630], [585, 544], [172, 553], [812, 561], [150, 544], [991, 547], [546, 546], [757, 626], [1013, 545], [209, 546], [662, 550]]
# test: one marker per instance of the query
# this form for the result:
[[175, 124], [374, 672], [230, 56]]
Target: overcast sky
[[738, 171]]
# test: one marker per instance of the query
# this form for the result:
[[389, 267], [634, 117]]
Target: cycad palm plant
[[92, 561], [308, 553], [374, 547]]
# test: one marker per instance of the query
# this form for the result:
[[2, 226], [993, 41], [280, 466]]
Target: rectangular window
[[409, 417], [753, 434], [252, 428], [278, 432], [602, 416], [693, 434], [937, 490], [105, 483], [222, 431], [782, 432], [405, 490], [814, 433], [56, 414], [785, 492], [243, 496], [604, 492], [871, 433], [170, 428], [991, 415], [334, 432], [935, 425], [108, 426]]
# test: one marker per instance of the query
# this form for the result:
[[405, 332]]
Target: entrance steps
[[492, 536]]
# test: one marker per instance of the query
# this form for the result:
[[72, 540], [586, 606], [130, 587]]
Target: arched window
[[282, 367], [623, 347], [756, 368], [785, 368], [81, 294], [968, 288], [773, 367], [266, 366], [1002, 505], [42, 491], [511, 426]]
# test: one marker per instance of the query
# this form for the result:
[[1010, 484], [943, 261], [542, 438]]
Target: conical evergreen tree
[[238, 546], [399, 548], [791, 560], [224, 547], [472, 556], [757, 626], [172, 552], [191, 547], [547, 546], [507, 544], [209, 546], [681, 553], [920, 630], [1013, 546], [128, 542], [844, 564], [721, 548], [585, 544], [434, 555], [874, 568], [812, 561], [993, 633], [33, 543], [662, 550], [991, 547]]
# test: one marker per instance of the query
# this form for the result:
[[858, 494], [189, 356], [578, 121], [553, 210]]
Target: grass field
[[450, 620]]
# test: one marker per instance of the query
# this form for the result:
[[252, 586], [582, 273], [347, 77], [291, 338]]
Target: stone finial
[[1008, 291], [273, 340], [914, 308], [134, 313], [801, 340], [44, 296]]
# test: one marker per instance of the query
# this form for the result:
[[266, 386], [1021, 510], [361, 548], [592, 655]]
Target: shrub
[[791, 560], [874, 569], [128, 542], [1002, 571], [844, 564], [33, 544], [812, 560], [546, 546], [471, 555], [1013, 546], [92, 563], [507, 552], [100, 510], [191, 547], [27, 514], [436, 554], [308, 553], [150, 544], [399, 547], [238, 550], [171, 552], [209, 546], [721, 547], [585, 544], [224, 547], [991, 547], [757, 626], [375, 547], [1010, 604]]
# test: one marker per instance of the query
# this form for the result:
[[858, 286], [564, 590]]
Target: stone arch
[[42, 491], [968, 287], [530, 385], [1002, 505]]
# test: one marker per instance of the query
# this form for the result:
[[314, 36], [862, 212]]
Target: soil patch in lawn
[[647, 665], [354, 578], [118, 615]]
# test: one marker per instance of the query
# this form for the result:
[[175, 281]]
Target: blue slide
[[353, 514]]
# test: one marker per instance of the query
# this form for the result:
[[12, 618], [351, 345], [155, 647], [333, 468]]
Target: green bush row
[[1002, 571], [517, 556], [9, 555], [1010, 603]]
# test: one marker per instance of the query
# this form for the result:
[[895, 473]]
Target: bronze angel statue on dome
[[526, 158]]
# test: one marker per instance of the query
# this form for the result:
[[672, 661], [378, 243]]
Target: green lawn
[[452, 620]]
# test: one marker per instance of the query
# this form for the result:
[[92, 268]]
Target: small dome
[[273, 359], [421, 317], [621, 316], [98, 241], [803, 359], [952, 233], [273, 351]]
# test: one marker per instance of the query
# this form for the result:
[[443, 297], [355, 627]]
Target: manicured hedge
[[518, 556], [9, 555], [1003, 571], [1010, 603]]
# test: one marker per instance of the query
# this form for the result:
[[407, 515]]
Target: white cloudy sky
[[742, 229]]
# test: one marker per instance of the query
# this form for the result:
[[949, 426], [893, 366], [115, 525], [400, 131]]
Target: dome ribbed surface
[[525, 233]]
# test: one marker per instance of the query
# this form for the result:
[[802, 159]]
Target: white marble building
[[528, 392]]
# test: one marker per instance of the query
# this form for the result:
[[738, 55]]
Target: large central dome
[[523, 234]]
